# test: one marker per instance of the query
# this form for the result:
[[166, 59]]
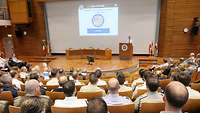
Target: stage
[[113, 65]]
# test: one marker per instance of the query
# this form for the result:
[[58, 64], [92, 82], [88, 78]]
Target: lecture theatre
[[99, 56]]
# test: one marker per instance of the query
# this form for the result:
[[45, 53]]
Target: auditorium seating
[[152, 107], [78, 87], [164, 82], [126, 93], [55, 95], [68, 110], [50, 87], [195, 86], [7, 95], [128, 108], [21, 93], [192, 106], [89, 95], [13, 109]]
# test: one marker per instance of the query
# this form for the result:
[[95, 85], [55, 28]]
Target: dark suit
[[7, 87]]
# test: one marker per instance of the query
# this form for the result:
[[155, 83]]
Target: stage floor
[[113, 65]]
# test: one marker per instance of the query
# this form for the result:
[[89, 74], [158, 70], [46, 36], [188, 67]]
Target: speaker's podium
[[125, 51]]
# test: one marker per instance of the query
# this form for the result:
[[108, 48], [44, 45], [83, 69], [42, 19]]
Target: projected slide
[[101, 21]]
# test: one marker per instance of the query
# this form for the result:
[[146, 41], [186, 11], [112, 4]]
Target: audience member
[[100, 82], [32, 105], [53, 80], [61, 80], [176, 96], [140, 79], [97, 105], [92, 87], [32, 89], [15, 80], [75, 76], [185, 79], [152, 95], [113, 96], [6, 79], [70, 99], [121, 79]]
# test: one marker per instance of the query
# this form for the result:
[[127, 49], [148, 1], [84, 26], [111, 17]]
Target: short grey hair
[[6, 78], [30, 86]]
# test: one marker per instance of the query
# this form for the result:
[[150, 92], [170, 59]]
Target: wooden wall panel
[[31, 44], [175, 16]]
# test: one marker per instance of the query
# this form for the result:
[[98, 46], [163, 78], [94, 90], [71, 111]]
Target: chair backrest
[[21, 93], [104, 87], [50, 87], [22, 87], [89, 95], [128, 108], [68, 110], [152, 107], [14, 109], [55, 95], [78, 87], [141, 91], [126, 93], [7, 95], [195, 86], [194, 76], [164, 83], [44, 82], [192, 106]]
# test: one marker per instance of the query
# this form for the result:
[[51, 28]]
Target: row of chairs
[[192, 106]]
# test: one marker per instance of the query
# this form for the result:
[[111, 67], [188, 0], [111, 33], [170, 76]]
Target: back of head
[[183, 77], [13, 73], [121, 78], [32, 87], [147, 74], [54, 72], [62, 80], [176, 94], [97, 105], [113, 85], [69, 88], [6, 79], [152, 83], [98, 73], [32, 105], [93, 78], [141, 72], [34, 75]]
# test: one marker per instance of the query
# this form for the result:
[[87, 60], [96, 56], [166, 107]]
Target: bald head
[[176, 94], [113, 85], [32, 87]]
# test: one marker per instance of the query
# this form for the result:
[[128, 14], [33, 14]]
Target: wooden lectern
[[125, 51]]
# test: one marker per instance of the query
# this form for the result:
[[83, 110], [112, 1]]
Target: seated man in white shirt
[[185, 79], [176, 96], [75, 76], [140, 79], [144, 75], [70, 99], [113, 97], [15, 80], [98, 74], [92, 86], [152, 96], [54, 79], [121, 79]]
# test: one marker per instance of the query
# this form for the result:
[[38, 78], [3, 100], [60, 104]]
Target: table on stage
[[83, 53]]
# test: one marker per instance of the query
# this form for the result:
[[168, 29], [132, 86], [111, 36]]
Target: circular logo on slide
[[98, 20]]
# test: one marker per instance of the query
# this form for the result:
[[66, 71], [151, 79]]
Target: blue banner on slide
[[99, 30]]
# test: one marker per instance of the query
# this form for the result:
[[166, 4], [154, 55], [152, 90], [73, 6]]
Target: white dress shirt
[[53, 81], [193, 94], [71, 102], [101, 82], [113, 99], [17, 83], [124, 88]]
